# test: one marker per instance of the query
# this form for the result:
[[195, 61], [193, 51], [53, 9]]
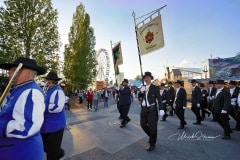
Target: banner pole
[[139, 56]]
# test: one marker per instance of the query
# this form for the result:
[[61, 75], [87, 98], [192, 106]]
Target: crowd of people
[[32, 119]]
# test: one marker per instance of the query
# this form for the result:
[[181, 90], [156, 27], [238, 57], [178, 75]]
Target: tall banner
[[150, 34], [117, 57]]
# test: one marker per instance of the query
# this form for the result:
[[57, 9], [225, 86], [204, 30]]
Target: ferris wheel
[[103, 67]]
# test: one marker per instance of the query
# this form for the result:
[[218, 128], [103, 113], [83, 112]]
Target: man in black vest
[[171, 94], [211, 94], [222, 104], [165, 100], [180, 103], [196, 100], [124, 102], [149, 109]]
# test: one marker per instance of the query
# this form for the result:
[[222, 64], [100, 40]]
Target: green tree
[[29, 28], [79, 54]]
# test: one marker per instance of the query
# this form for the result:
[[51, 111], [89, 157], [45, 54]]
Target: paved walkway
[[94, 135]]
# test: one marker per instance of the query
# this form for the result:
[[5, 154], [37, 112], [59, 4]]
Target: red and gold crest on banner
[[149, 37]]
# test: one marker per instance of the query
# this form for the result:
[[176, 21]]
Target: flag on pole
[[150, 34], [117, 57]]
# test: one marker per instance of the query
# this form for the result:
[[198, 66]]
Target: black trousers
[[149, 121], [196, 111], [232, 112], [89, 104], [124, 109], [52, 144], [119, 109], [223, 120], [180, 113], [238, 119], [165, 111]]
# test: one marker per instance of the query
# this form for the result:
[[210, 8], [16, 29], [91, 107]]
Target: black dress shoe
[[226, 137], [123, 125], [163, 120], [197, 123], [185, 123], [150, 148], [181, 127]]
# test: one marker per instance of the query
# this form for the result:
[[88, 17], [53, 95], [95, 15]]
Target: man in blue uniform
[[54, 118], [21, 114]]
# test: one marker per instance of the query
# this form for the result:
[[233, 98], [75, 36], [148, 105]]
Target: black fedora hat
[[149, 74], [162, 85], [232, 82], [125, 80], [211, 82], [52, 76], [219, 81], [193, 81], [178, 82], [27, 63]]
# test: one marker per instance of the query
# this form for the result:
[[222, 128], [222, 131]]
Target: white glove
[[233, 103], [184, 107], [143, 88], [223, 111], [198, 105], [170, 100], [164, 101], [174, 105], [161, 112]]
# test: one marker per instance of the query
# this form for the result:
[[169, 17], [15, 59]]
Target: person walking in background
[[105, 96], [180, 103], [149, 110], [196, 100], [211, 94], [222, 104], [95, 99], [234, 91], [89, 98], [54, 118], [165, 100], [80, 96], [67, 105], [171, 94], [124, 102], [204, 103], [22, 113]]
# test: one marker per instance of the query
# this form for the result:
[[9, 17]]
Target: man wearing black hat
[[165, 100], [124, 102], [196, 100], [211, 94], [171, 94], [180, 103], [22, 113], [149, 110], [54, 118], [234, 91], [222, 104]]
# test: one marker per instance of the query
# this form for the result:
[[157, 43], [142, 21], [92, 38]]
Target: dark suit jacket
[[213, 92], [171, 93], [204, 98], [222, 101], [154, 96], [165, 96], [196, 96], [181, 98], [125, 96]]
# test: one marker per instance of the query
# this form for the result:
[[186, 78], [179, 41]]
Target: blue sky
[[193, 30]]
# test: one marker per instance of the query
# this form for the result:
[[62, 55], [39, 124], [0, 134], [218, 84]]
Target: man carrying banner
[[149, 109]]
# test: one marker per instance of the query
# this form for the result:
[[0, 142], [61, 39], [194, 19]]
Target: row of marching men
[[218, 99]]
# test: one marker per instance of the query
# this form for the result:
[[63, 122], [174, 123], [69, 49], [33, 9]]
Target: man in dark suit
[[204, 103], [165, 100], [211, 94], [180, 103], [124, 102], [149, 109], [222, 104], [196, 100], [171, 94]]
